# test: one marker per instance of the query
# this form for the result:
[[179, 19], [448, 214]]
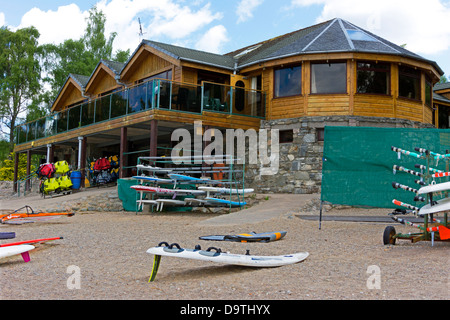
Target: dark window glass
[[329, 78], [286, 136], [373, 78], [428, 91], [288, 82], [409, 83]]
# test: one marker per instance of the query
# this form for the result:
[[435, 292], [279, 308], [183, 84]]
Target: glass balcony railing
[[154, 94]]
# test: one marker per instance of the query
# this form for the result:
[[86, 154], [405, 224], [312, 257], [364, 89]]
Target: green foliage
[[7, 167], [19, 73], [79, 56]]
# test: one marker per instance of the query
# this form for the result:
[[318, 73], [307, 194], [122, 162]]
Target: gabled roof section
[[191, 55], [73, 82], [112, 68]]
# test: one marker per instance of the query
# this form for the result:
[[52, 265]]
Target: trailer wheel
[[388, 235]]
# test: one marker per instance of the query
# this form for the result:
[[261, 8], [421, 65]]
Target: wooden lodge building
[[332, 73]]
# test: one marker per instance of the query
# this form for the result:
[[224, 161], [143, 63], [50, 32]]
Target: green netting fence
[[358, 163]]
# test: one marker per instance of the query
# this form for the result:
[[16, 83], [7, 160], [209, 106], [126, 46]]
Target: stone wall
[[300, 167]]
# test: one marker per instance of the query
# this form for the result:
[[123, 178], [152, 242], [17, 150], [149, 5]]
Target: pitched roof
[[192, 55], [335, 35], [441, 86]]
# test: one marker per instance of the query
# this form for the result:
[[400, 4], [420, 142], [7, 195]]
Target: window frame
[[275, 96], [344, 62], [373, 68], [415, 74]]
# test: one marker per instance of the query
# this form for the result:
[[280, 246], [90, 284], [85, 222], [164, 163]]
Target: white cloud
[[56, 26], [245, 9], [422, 25], [163, 19], [213, 39], [2, 19]]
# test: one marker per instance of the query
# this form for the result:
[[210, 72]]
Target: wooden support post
[[153, 138], [28, 182], [16, 170], [123, 160], [83, 161]]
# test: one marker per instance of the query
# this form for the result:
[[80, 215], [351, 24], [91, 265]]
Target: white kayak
[[18, 249], [229, 258]]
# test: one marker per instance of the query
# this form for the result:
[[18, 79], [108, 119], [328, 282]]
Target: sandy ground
[[103, 256]]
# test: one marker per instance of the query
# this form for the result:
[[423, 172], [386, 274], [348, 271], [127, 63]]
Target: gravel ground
[[108, 251]]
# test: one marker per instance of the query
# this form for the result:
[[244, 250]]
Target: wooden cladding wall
[[373, 106], [352, 103]]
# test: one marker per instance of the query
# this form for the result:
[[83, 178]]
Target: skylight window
[[359, 35], [247, 51]]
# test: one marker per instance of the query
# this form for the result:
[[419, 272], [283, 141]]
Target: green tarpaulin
[[129, 196], [358, 163]]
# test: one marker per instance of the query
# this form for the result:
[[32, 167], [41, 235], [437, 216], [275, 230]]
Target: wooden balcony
[[216, 105]]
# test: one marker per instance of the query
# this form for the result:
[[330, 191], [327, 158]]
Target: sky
[[222, 26]]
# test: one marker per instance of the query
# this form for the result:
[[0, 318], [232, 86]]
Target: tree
[[19, 74], [79, 56], [443, 79]]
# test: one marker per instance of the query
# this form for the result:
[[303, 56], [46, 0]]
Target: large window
[[373, 77], [409, 83], [329, 77], [288, 82]]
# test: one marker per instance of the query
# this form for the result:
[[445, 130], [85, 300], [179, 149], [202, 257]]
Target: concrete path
[[275, 206]]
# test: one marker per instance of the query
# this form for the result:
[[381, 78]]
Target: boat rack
[[222, 176], [433, 194]]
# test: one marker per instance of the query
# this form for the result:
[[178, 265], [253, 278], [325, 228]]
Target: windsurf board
[[247, 237], [153, 169], [229, 258], [17, 249], [226, 190], [226, 202], [165, 190], [440, 206], [153, 179]]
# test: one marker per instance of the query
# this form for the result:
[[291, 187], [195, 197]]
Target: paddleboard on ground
[[247, 237], [18, 249], [438, 187]]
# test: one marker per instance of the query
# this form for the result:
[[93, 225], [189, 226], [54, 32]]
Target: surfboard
[[216, 255], [247, 237], [226, 190], [226, 202], [18, 249], [165, 190], [441, 206], [438, 187]]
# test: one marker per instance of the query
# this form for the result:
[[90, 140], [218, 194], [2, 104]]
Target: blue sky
[[222, 26]]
